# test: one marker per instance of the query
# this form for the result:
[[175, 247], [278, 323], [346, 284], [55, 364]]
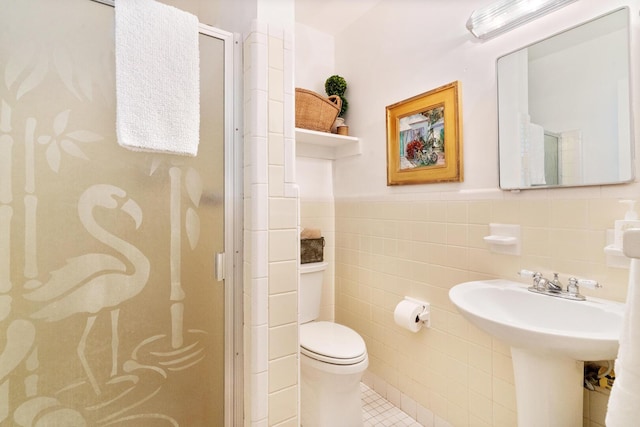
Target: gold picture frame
[[417, 150]]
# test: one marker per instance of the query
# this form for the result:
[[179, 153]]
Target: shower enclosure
[[112, 305]]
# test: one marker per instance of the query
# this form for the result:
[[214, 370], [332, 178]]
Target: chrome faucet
[[553, 287], [555, 284], [540, 283]]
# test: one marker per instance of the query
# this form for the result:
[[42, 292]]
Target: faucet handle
[[591, 284], [574, 284], [539, 282], [528, 273]]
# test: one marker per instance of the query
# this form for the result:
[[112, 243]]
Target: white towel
[[157, 77], [623, 409]]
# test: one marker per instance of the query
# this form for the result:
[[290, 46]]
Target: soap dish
[[504, 239]]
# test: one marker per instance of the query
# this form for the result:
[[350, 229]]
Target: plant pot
[[337, 123]]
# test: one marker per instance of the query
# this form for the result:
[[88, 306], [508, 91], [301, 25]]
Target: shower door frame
[[233, 232], [233, 220]]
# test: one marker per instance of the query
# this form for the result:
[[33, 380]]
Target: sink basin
[[550, 337], [581, 330]]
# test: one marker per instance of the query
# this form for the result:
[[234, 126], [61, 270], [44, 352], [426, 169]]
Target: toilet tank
[[310, 291]]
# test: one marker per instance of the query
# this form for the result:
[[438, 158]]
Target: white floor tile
[[379, 412]]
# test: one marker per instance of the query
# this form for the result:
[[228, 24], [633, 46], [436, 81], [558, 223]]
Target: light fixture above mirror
[[504, 15]]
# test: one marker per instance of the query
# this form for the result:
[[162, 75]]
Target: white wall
[[277, 12], [314, 62], [314, 179], [315, 58], [417, 47], [228, 15]]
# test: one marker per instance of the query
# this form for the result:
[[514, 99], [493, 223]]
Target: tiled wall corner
[[415, 410], [283, 229], [256, 245], [271, 237]]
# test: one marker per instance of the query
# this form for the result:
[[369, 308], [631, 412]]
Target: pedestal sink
[[550, 339]]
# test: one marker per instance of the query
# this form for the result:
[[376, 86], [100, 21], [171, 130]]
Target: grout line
[[379, 412]]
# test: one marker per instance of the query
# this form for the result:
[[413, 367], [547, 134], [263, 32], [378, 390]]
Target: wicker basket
[[315, 112], [311, 250]]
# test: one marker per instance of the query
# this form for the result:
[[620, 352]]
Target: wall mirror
[[564, 108]]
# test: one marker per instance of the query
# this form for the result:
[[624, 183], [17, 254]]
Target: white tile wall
[[385, 250], [259, 294], [271, 231]]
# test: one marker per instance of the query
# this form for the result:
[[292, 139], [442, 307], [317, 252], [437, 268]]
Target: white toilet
[[332, 360]]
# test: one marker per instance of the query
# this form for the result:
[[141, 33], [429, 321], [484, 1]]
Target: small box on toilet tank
[[311, 250]]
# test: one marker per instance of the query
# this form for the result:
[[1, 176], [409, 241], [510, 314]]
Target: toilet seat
[[332, 343]]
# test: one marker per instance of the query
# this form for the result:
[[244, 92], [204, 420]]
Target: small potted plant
[[337, 85]]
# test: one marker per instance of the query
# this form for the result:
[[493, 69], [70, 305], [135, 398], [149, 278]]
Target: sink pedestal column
[[548, 389]]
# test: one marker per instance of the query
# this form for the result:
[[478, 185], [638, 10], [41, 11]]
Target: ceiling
[[331, 16]]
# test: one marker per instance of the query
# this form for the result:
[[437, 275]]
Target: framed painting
[[424, 138]]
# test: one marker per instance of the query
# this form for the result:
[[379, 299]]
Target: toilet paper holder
[[425, 315]]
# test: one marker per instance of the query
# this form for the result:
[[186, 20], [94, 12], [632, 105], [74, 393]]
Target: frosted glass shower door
[[110, 314]]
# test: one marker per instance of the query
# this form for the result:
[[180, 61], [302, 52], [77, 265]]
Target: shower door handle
[[219, 266]]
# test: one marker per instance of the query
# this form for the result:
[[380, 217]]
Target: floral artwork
[[417, 150], [422, 141]]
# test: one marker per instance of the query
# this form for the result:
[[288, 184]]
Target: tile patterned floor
[[379, 412]]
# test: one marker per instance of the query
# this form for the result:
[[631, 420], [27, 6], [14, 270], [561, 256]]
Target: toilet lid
[[332, 343]]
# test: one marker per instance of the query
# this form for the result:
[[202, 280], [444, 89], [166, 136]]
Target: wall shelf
[[324, 145]]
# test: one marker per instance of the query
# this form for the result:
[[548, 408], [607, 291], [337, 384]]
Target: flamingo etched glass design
[[109, 311]]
